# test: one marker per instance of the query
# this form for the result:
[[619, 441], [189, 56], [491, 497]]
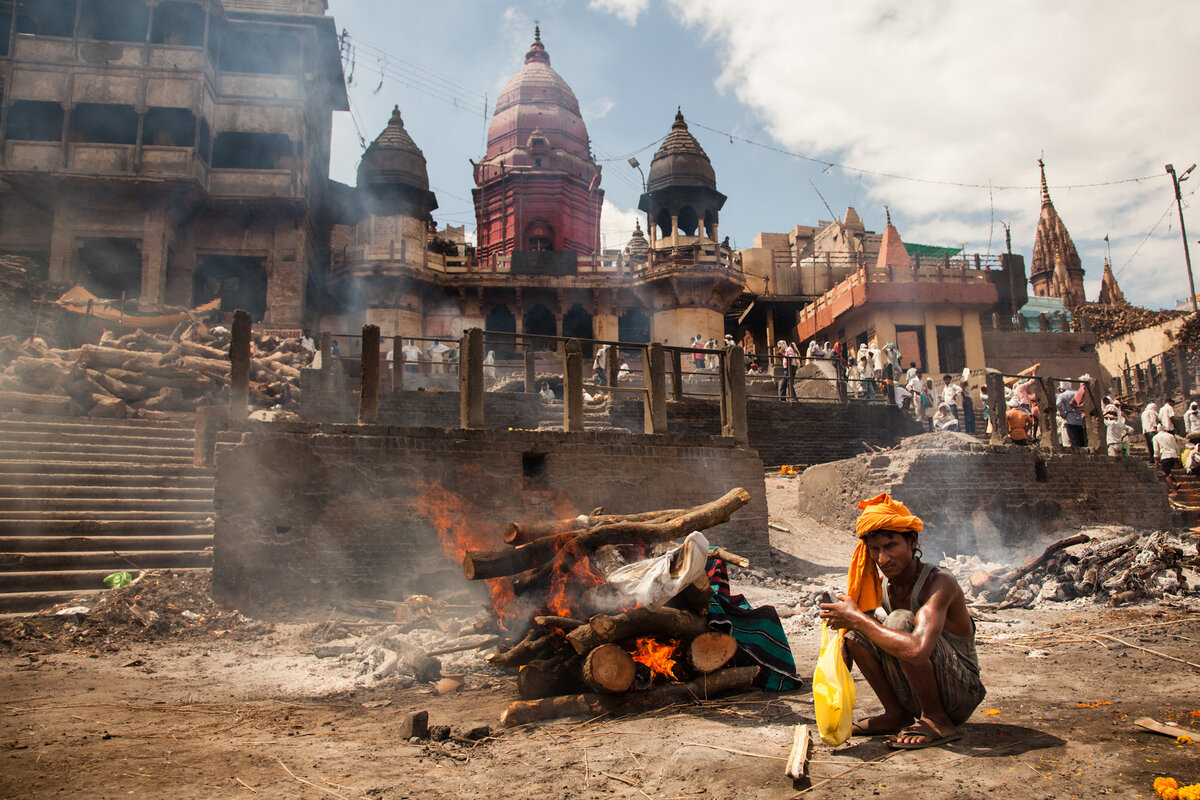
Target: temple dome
[[537, 99], [393, 158], [680, 161]]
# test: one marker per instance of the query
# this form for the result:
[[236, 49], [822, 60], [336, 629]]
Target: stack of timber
[[585, 648], [143, 375]]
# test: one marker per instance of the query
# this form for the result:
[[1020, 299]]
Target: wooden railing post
[[368, 382], [572, 386], [1050, 438], [239, 366], [734, 371], [470, 379], [997, 409], [530, 369], [677, 375], [327, 361], [397, 364], [655, 381]]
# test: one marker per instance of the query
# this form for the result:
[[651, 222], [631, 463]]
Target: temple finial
[[1045, 191], [537, 32], [888, 212]]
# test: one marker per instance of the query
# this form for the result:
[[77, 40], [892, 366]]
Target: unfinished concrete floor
[[256, 715]]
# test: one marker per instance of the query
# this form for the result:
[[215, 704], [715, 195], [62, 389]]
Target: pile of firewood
[[1121, 570], [1109, 322], [580, 646], [142, 374]]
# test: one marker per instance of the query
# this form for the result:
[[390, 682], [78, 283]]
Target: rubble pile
[[1114, 321], [1118, 571], [144, 375], [157, 605]]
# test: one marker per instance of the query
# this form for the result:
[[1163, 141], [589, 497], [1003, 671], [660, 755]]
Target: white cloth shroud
[[656, 580]]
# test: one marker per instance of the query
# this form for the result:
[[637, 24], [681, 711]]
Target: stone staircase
[[82, 498]]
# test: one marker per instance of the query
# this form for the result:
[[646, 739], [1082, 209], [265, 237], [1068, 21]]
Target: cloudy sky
[[939, 110]]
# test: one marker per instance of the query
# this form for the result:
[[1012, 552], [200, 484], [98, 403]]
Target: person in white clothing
[[1166, 453], [1191, 420], [1115, 431], [1166, 415], [489, 365], [951, 394]]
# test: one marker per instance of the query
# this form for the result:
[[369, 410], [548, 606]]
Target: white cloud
[[598, 108], [616, 224], [975, 93], [627, 10]]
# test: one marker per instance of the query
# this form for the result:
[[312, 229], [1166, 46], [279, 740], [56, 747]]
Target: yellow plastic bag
[[833, 690]]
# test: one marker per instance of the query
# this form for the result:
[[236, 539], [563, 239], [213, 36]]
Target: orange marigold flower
[[991, 712]]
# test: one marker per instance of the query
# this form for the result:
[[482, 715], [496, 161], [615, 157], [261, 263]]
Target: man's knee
[[900, 620]]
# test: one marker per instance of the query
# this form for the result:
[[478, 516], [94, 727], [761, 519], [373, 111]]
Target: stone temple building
[[1055, 269], [171, 151], [537, 267]]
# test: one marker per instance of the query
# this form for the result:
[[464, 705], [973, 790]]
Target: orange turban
[[880, 513]]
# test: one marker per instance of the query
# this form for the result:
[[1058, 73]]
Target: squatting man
[[920, 658]]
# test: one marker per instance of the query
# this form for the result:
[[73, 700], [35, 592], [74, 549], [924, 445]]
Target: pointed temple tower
[[892, 253], [537, 196], [689, 281], [1055, 270], [1110, 292]]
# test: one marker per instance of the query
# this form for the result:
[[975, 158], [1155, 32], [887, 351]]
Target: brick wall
[[975, 498], [787, 433], [307, 514]]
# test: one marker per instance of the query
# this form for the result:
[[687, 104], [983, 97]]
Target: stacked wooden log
[[1120, 570], [600, 650], [142, 374], [1109, 322]]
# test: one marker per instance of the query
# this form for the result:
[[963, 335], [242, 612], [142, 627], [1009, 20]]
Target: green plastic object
[[117, 580]]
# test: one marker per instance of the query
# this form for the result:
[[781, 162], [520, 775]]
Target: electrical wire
[[847, 168], [1146, 238]]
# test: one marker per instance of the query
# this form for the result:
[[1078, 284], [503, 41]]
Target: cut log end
[[608, 668], [710, 651]]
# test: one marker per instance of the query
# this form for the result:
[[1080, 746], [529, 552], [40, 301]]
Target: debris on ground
[[1121, 570], [163, 604]]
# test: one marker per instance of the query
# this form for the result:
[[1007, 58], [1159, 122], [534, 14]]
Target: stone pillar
[[996, 407], [154, 260], [654, 379], [62, 245], [530, 369], [368, 384], [572, 386], [612, 364], [239, 366], [470, 379], [734, 369], [397, 364]]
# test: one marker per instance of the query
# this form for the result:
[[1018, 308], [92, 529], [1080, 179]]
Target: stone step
[[137, 492], [8, 517], [29, 602], [55, 544], [19, 507], [184, 422], [115, 527], [88, 472], [37, 438], [54, 580], [111, 560], [15, 449]]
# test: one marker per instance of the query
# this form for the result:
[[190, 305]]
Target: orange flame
[[657, 656], [457, 535], [570, 575]]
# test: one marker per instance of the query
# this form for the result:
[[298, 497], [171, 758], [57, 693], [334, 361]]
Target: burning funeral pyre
[[601, 614]]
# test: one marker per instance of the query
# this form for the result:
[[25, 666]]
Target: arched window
[[634, 326], [539, 235], [663, 221], [540, 321], [577, 324], [688, 221], [501, 320]]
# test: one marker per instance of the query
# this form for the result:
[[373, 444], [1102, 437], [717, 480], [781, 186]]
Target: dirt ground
[[216, 706]]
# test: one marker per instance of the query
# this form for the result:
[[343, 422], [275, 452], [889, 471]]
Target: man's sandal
[[929, 738]]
